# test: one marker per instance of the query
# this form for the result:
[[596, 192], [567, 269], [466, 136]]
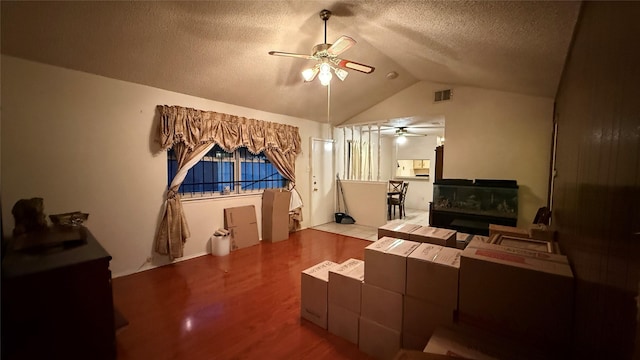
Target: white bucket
[[219, 245]]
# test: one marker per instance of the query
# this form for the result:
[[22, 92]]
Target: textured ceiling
[[218, 50]]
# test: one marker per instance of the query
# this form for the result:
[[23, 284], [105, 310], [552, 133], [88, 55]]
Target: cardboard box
[[377, 340], [382, 306], [386, 261], [420, 319], [399, 231], [534, 231], [243, 226], [508, 230], [433, 235], [432, 274], [275, 214], [345, 284], [541, 232], [517, 292], [448, 342], [343, 322], [314, 293], [462, 239]]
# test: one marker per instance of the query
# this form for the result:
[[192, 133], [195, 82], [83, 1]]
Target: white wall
[[420, 191], [85, 142], [490, 135], [366, 201]]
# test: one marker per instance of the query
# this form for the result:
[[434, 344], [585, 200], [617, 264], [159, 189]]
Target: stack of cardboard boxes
[[432, 293], [345, 289], [382, 296], [314, 288], [406, 291]]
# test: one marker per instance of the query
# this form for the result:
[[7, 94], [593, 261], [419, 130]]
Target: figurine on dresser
[[32, 233]]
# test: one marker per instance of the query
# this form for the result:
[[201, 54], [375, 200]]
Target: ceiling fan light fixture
[[341, 73], [325, 74], [401, 139], [308, 74]]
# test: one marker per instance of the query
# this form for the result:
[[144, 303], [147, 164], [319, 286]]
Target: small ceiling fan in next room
[[326, 56]]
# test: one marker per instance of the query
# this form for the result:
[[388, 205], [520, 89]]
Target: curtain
[[355, 160], [360, 160], [192, 133], [173, 224]]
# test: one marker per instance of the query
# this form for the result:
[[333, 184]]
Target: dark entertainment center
[[56, 297], [470, 206]]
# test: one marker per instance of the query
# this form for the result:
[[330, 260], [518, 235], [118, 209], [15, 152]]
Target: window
[[220, 172]]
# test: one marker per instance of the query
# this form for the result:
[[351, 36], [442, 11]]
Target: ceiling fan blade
[[300, 56], [348, 64], [341, 45]]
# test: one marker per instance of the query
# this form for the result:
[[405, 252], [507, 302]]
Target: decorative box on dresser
[[57, 301]]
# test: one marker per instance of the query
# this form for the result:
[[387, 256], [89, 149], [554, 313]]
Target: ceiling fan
[[403, 131], [327, 57]]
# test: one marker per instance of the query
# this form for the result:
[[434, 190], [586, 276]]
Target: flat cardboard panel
[[421, 318], [432, 274], [398, 231], [386, 261], [243, 236], [275, 214], [382, 306], [433, 235], [313, 293], [344, 323], [345, 284], [240, 215], [377, 340], [517, 292], [242, 224]]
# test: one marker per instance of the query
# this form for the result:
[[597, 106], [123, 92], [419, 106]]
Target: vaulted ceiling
[[218, 50]]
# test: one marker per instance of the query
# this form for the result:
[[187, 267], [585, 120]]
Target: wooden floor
[[245, 305]]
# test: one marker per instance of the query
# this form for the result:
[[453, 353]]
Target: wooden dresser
[[57, 303]]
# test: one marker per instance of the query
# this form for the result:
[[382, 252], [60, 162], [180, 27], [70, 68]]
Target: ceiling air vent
[[442, 95]]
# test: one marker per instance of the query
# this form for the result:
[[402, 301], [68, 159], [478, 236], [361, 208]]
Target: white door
[[322, 182]]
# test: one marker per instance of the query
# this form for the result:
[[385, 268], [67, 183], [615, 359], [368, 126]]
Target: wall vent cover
[[442, 95]]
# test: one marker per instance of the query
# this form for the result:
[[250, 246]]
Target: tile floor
[[420, 217]]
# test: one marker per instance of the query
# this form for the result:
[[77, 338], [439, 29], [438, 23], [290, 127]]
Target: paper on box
[[314, 293], [345, 284]]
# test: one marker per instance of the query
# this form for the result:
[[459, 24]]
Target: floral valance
[[193, 127]]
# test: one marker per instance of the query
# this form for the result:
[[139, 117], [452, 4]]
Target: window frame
[[238, 157]]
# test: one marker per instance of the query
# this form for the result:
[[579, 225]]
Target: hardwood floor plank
[[245, 305]]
